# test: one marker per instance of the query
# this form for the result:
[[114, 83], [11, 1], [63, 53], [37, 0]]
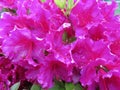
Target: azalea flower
[[73, 41]]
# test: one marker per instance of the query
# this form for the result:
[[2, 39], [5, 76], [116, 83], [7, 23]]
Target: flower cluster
[[43, 41]]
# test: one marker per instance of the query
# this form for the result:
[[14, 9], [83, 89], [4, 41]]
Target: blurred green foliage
[[118, 9]]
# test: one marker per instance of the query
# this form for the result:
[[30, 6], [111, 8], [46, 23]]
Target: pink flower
[[114, 47], [32, 73], [53, 69], [108, 10], [10, 73], [97, 33], [82, 52], [106, 84], [8, 23], [60, 43], [112, 83], [101, 72], [22, 45], [8, 3], [75, 74], [86, 14], [90, 72], [40, 43], [87, 50]]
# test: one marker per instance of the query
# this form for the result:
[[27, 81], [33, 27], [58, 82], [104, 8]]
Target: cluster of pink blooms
[[40, 44]]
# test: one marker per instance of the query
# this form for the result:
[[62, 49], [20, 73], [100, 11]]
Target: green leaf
[[43, 1], [117, 12], [65, 36], [59, 85], [15, 86], [78, 87], [70, 4], [69, 86], [60, 3], [72, 39], [35, 87]]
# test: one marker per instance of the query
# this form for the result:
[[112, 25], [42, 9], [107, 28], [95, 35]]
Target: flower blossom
[[41, 42]]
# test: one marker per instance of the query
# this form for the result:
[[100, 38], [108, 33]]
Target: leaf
[[78, 87], [69, 86], [60, 3], [15, 86], [35, 87], [72, 39], [117, 12], [42, 1], [70, 4], [59, 85], [65, 37]]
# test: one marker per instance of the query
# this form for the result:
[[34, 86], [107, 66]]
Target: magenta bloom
[[24, 44], [108, 77], [53, 69], [114, 46], [86, 14], [41, 42], [7, 25], [97, 33], [10, 73], [8, 3]]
